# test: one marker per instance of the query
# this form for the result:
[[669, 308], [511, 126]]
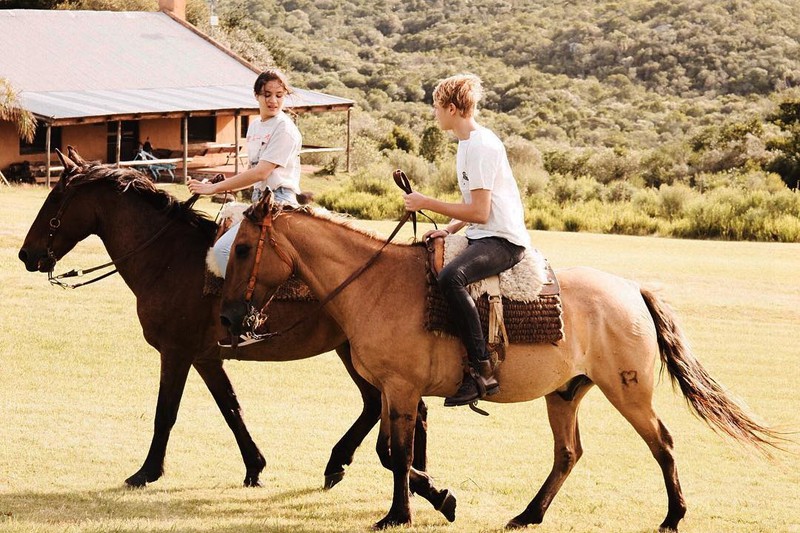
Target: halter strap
[[266, 228]]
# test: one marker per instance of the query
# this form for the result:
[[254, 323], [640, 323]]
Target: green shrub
[[522, 152], [673, 199], [416, 168], [541, 219], [362, 204], [531, 179], [443, 178], [619, 191]]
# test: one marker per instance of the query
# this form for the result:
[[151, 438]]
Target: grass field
[[78, 390]]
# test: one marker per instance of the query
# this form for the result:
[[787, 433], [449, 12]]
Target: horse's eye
[[242, 250]]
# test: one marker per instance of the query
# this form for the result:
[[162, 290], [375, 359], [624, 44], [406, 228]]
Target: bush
[[673, 199], [522, 152], [541, 219], [531, 179], [570, 190], [416, 168], [362, 204], [619, 191]]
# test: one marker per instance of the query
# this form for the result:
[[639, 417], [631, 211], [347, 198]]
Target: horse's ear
[[68, 164], [75, 156], [261, 209]]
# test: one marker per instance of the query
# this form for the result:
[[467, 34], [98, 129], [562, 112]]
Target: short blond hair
[[462, 90]]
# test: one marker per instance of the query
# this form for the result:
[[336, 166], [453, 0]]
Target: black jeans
[[482, 258]]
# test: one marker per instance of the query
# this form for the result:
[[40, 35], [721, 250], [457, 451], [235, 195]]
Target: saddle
[[516, 306]]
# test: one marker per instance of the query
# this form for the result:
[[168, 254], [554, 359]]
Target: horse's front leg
[[174, 370], [343, 451], [400, 409], [215, 378]]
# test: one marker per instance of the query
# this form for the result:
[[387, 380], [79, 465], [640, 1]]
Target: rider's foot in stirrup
[[245, 339]]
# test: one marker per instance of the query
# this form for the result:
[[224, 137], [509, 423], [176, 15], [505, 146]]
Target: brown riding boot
[[487, 384], [477, 384]]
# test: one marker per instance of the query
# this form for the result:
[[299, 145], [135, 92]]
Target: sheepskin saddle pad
[[529, 293]]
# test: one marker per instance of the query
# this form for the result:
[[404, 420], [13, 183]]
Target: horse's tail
[[707, 398]]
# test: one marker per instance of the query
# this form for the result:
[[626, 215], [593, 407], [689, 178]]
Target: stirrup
[[484, 379]]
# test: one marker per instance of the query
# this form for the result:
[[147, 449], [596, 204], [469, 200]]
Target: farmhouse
[[107, 81]]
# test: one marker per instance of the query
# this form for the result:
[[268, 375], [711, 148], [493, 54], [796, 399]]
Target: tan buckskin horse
[[614, 329], [126, 210]]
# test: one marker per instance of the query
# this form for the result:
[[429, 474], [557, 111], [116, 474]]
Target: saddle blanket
[[531, 301]]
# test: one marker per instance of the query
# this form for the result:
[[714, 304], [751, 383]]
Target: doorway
[[129, 144]]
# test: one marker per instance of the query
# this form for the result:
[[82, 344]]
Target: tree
[[400, 138], [11, 111], [433, 145], [787, 162]]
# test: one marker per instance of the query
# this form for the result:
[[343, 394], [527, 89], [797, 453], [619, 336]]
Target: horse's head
[[64, 219], [260, 261]]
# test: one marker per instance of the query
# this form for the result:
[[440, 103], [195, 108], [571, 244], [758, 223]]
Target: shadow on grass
[[228, 508]]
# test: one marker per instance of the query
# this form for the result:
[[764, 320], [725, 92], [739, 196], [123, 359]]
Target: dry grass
[[78, 389]]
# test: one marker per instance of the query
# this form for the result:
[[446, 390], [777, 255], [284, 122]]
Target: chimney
[[177, 8]]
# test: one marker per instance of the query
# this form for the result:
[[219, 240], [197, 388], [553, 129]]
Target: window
[[202, 129], [245, 125], [39, 143]]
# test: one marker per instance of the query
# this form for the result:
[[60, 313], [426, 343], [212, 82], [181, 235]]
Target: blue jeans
[[482, 258], [222, 248]]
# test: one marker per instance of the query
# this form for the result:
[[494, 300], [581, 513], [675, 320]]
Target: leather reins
[[257, 317]]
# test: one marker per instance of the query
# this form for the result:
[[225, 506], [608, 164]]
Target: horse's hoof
[[515, 524], [387, 521], [252, 481], [140, 480], [448, 506], [667, 529], [332, 479]]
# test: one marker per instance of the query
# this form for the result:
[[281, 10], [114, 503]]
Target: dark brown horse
[[615, 330], [125, 210]]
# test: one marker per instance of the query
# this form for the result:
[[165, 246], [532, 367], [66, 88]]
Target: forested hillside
[[557, 68], [636, 116]]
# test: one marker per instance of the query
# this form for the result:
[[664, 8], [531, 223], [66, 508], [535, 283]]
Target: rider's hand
[[432, 234], [414, 201], [201, 187]]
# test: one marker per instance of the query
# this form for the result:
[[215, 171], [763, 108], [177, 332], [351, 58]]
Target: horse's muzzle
[[36, 261], [232, 316]]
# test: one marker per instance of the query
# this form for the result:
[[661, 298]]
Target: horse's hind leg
[[634, 402], [174, 371], [343, 451], [563, 416], [221, 389]]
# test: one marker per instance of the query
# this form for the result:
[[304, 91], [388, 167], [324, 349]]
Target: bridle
[[55, 225], [257, 316]]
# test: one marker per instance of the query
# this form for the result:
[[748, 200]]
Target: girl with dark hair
[[273, 148]]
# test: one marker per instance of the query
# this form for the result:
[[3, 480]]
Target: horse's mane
[[131, 180], [341, 219]]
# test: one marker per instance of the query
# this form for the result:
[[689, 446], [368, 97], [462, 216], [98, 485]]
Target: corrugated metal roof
[[60, 105], [73, 64]]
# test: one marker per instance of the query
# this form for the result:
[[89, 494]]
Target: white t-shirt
[[482, 163], [278, 141]]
